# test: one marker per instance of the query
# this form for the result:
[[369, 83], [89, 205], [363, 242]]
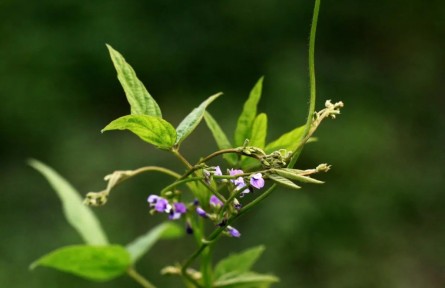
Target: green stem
[[312, 83], [179, 182], [139, 278], [214, 154], [206, 266], [157, 168], [215, 234]]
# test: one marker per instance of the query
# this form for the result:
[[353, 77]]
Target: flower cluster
[[160, 204], [256, 180]]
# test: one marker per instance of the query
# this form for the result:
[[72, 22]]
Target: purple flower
[[218, 171], [162, 205], [201, 212], [234, 172], [257, 181], [233, 232], [152, 199], [215, 202], [178, 209]]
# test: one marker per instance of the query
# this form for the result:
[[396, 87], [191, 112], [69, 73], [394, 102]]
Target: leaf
[[239, 262], [140, 100], [153, 130], [76, 213], [245, 120], [288, 141], [193, 119], [220, 137], [295, 174], [99, 263], [259, 131], [142, 244], [247, 280], [283, 181]]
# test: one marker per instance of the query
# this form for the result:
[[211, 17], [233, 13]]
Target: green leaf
[[245, 120], [99, 263], [193, 119], [153, 130], [283, 181], [76, 213], [295, 174], [259, 131], [238, 263], [288, 141], [140, 100], [247, 280], [142, 244], [220, 137]]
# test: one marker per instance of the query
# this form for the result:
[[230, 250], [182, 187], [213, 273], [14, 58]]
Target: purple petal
[[233, 232], [201, 212], [152, 199], [214, 201], [218, 171], [233, 172], [162, 205], [180, 207], [257, 181]]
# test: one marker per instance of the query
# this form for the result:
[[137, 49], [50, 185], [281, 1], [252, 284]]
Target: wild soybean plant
[[205, 193]]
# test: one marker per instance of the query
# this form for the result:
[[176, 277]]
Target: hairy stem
[[312, 84]]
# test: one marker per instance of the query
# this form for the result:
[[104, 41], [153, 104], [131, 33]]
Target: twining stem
[[156, 168], [214, 154], [312, 84], [139, 278]]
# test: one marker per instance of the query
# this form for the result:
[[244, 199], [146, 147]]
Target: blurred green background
[[377, 222]]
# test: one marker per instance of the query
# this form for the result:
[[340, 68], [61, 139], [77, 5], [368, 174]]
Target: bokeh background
[[377, 222]]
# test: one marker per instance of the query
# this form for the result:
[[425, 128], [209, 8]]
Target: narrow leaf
[[140, 100], [247, 280], [193, 119], [153, 130], [143, 244], [247, 116], [239, 262], [76, 213], [220, 137], [283, 181], [295, 174], [99, 263], [288, 141]]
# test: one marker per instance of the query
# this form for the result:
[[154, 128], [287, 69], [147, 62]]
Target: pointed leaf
[[76, 213], [153, 130], [142, 244], [283, 181], [193, 119], [247, 280], [245, 120], [220, 137], [259, 131], [295, 174], [239, 262], [99, 263], [288, 141], [140, 100]]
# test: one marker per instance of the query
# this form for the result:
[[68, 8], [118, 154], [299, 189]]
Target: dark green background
[[377, 222]]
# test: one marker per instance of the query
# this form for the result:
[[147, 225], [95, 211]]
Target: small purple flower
[[218, 171], [201, 212], [152, 199], [241, 186], [215, 202], [234, 172], [178, 209], [257, 181], [162, 205], [233, 232]]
